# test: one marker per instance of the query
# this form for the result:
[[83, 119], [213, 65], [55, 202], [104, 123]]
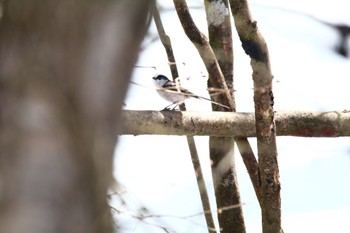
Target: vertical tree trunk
[[64, 69], [222, 149], [255, 46]]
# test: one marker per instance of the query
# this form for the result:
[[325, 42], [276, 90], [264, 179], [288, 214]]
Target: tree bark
[[200, 41], [190, 139], [255, 46], [225, 124], [222, 148]]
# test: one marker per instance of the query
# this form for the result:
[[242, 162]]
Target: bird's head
[[160, 80]]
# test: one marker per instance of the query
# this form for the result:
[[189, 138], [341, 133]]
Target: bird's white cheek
[[156, 83]]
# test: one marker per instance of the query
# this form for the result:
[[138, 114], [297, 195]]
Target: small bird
[[174, 93]]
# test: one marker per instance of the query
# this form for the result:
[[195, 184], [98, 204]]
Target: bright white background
[[155, 172]]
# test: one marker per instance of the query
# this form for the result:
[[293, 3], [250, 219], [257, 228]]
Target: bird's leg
[[167, 108], [173, 109]]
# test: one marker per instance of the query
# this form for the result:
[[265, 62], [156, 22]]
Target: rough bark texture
[[64, 70], [254, 45]]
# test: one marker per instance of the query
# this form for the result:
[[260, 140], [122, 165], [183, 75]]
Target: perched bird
[[174, 93]]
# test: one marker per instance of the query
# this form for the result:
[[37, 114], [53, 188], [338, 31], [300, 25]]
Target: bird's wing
[[171, 87]]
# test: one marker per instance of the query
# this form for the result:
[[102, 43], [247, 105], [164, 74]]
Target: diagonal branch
[[218, 149], [200, 41], [164, 38], [190, 139]]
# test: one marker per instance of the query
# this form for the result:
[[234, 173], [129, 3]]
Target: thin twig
[[190, 139], [142, 217]]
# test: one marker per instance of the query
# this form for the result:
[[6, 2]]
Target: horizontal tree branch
[[230, 124]]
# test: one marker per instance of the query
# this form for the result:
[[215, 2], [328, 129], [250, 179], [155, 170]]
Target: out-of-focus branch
[[190, 139], [164, 38], [255, 46], [224, 124], [64, 70]]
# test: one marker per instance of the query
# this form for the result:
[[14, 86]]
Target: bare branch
[[205, 51], [224, 124], [143, 217], [222, 148], [164, 38], [255, 46], [190, 139]]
